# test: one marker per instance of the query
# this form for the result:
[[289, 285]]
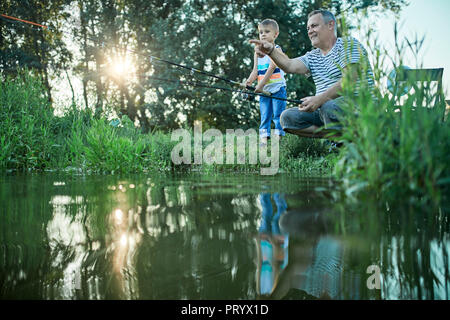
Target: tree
[[207, 35], [24, 45]]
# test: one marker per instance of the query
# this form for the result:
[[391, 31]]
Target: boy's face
[[267, 32]]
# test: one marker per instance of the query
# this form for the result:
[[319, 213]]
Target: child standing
[[270, 79]]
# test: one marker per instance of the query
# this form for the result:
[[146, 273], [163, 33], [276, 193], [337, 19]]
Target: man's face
[[267, 32], [318, 31]]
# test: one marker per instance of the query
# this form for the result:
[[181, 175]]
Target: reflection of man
[[326, 64], [272, 244], [315, 262]]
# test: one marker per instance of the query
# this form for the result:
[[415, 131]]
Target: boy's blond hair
[[270, 22]]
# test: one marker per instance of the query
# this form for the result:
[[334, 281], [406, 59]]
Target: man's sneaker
[[334, 146]]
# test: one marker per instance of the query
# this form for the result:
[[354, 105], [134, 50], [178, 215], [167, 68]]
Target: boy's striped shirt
[[277, 80]]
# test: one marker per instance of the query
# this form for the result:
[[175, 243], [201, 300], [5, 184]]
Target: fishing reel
[[247, 97]]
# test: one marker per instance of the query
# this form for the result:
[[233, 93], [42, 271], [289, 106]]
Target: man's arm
[[311, 104], [279, 58]]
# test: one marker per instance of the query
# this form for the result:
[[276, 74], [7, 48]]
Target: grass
[[26, 130], [308, 157], [32, 138]]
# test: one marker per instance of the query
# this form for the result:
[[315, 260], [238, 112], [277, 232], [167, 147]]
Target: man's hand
[[311, 104], [262, 47]]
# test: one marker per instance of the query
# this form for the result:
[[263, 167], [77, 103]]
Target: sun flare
[[121, 66]]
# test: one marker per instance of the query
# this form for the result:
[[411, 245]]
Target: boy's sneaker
[[277, 136], [263, 142]]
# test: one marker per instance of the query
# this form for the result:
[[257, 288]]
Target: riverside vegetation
[[387, 152], [33, 138]]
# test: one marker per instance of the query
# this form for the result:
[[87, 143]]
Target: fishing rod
[[196, 84], [21, 20], [203, 85], [212, 75], [235, 83]]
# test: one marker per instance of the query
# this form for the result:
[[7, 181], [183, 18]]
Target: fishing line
[[235, 83], [207, 86]]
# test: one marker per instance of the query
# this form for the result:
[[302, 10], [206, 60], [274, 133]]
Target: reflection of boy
[[273, 244], [270, 223], [270, 79]]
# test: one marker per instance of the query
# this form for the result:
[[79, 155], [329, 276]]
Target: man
[[326, 64]]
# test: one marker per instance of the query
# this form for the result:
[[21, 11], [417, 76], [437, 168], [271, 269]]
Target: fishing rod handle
[[266, 93]]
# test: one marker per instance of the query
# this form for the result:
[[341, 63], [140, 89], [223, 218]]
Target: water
[[213, 237]]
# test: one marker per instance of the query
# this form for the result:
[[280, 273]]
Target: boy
[[271, 79]]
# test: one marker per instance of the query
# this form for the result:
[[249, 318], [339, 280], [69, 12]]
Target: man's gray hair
[[327, 17]]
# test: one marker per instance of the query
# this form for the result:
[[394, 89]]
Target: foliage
[[23, 45], [395, 152], [309, 156], [32, 138], [207, 35], [26, 130]]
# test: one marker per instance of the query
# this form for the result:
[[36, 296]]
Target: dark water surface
[[213, 237]]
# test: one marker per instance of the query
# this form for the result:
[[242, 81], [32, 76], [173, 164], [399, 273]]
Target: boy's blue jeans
[[272, 109]]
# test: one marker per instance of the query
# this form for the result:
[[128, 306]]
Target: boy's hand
[[262, 47], [259, 89], [246, 83]]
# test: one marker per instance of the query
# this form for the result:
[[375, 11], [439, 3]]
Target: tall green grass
[[394, 154], [104, 148], [33, 138], [26, 124]]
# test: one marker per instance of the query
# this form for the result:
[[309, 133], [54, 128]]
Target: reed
[[394, 154], [25, 116]]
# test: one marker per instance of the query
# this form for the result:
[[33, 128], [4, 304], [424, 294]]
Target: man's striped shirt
[[326, 70]]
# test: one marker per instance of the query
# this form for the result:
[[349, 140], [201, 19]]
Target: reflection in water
[[272, 245], [193, 237], [316, 258]]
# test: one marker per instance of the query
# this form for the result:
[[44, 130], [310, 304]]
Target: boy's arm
[[269, 72], [254, 74]]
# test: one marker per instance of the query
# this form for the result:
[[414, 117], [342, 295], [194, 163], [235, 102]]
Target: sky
[[427, 18]]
